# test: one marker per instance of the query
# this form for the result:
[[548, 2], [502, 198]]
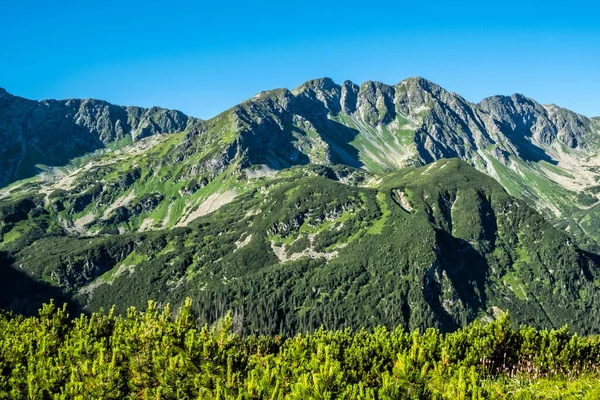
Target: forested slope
[[436, 246]]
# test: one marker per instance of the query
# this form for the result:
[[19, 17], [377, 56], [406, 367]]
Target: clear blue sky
[[203, 57]]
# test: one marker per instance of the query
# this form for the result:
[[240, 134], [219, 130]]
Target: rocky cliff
[[53, 132]]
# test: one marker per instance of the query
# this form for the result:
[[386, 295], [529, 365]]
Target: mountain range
[[336, 205]]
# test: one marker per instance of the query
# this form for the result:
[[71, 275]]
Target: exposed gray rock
[[274, 126], [281, 128], [53, 132]]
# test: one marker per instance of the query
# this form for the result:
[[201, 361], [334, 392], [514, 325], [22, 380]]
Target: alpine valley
[[328, 205]]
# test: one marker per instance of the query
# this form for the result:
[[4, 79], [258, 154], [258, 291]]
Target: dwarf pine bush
[[153, 355]]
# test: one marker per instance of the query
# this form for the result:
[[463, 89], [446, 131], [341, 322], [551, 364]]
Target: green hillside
[[437, 246], [336, 205]]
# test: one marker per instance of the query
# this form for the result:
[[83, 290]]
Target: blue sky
[[204, 57]]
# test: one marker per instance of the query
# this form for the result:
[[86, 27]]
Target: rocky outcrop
[[52, 132], [374, 125], [519, 117], [323, 122]]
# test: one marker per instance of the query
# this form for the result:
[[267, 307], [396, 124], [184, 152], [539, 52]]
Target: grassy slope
[[463, 251], [575, 212]]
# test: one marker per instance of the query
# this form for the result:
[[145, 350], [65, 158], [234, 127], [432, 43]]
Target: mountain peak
[[325, 82], [317, 85], [373, 83], [419, 82], [521, 98], [514, 99], [417, 79], [53, 132]]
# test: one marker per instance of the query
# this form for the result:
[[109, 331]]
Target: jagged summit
[[505, 99], [421, 83], [53, 132], [328, 85], [317, 201], [318, 84], [445, 124], [372, 126]]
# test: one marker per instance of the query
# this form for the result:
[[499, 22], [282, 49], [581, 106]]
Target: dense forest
[[438, 246], [161, 354]]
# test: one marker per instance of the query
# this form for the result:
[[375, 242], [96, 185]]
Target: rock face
[[382, 127], [312, 178], [542, 153], [52, 132], [374, 126]]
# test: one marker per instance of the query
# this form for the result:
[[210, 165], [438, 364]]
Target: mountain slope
[[53, 132], [312, 206], [544, 154], [441, 245]]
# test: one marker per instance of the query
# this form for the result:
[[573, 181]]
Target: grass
[[11, 235], [378, 225], [530, 184], [523, 255], [132, 259], [376, 146], [516, 285]]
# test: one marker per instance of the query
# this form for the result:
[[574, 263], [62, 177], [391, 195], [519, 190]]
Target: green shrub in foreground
[[150, 355]]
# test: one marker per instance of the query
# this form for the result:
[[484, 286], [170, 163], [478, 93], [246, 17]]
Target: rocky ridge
[[542, 153], [53, 132]]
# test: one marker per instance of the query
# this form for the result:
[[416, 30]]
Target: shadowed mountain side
[[467, 271], [337, 136], [278, 129], [527, 151], [53, 132], [24, 295]]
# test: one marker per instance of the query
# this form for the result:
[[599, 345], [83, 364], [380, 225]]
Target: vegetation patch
[[151, 354]]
